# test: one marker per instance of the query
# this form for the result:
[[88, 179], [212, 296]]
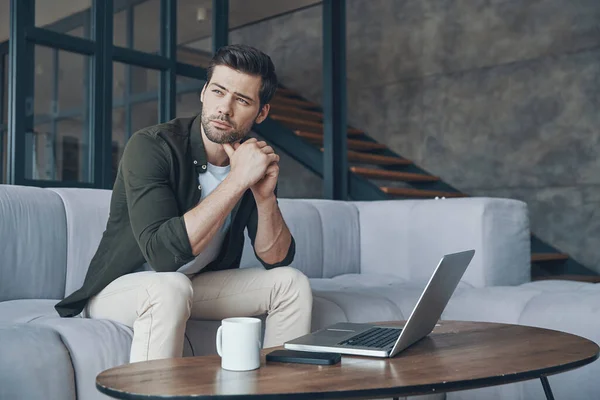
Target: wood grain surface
[[456, 356]]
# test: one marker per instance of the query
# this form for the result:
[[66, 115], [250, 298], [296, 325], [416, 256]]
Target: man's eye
[[217, 91], [242, 101]]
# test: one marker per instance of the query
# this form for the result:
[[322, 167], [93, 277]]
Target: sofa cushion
[[94, 345], [33, 244], [366, 298], [492, 304], [86, 213], [304, 223], [341, 237], [200, 337], [34, 364], [27, 310]]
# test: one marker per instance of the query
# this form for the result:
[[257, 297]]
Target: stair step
[[193, 58], [352, 143], [393, 175], [376, 159], [286, 92], [278, 109], [286, 101], [318, 126], [409, 192], [541, 257]]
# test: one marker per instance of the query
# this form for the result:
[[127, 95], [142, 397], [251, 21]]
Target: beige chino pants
[[157, 305]]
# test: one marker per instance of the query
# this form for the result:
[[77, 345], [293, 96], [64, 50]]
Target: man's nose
[[224, 107]]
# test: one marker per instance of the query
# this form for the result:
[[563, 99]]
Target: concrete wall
[[498, 97]]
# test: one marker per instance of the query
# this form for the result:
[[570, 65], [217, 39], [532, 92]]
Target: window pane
[[43, 162], [194, 18], [188, 105], [71, 149], [120, 29], [5, 90], [144, 115], [58, 148], [146, 26], [4, 118], [135, 99], [194, 23], [188, 96], [144, 80], [118, 138], [243, 12], [64, 16], [194, 56], [139, 80], [4, 19], [72, 82]]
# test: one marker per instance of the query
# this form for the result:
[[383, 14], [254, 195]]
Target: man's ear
[[262, 115], [202, 93]]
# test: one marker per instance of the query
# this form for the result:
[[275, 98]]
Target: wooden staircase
[[392, 175], [395, 176]]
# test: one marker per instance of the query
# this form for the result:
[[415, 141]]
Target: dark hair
[[248, 60]]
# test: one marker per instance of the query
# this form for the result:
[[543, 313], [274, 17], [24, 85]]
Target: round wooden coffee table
[[455, 356]]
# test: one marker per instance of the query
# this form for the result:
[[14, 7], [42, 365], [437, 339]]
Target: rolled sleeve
[[153, 210]]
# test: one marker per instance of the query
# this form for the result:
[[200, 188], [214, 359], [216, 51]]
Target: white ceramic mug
[[239, 344]]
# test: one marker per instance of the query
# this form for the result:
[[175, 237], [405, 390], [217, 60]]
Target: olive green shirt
[[156, 184]]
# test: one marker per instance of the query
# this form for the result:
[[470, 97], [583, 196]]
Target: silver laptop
[[381, 341]]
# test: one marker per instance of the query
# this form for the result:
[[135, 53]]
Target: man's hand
[[264, 189], [254, 165]]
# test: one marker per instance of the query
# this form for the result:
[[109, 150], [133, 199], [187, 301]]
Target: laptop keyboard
[[374, 337]]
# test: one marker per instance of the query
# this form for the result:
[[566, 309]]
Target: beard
[[220, 136]]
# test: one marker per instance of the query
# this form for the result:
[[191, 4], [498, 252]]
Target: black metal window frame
[[335, 155], [98, 45]]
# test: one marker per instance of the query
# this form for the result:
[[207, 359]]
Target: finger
[[273, 169], [228, 149], [236, 145], [267, 150], [251, 140], [273, 158], [261, 144]]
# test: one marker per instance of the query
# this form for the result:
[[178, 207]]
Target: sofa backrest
[[33, 244], [407, 238], [327, 237], [326, 232]]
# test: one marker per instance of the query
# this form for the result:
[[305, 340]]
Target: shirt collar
[[198, 152]]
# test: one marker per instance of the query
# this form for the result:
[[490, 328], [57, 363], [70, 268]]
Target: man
[[184, 194]]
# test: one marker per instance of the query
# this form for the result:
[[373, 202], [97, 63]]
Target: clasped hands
[[254, 165]]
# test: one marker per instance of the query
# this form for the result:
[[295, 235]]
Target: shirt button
[[199, 187], [195, 162], [204, 167]]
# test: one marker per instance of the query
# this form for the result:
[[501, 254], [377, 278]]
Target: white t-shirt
[[209, 180]]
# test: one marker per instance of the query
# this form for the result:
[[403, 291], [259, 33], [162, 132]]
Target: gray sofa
[[367, 261]]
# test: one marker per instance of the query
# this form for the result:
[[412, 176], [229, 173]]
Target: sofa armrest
[[407, 238]]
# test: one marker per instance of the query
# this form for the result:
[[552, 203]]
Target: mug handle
[[219, 340]]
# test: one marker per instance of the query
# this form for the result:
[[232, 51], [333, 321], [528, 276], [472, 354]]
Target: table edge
[[442, 387]]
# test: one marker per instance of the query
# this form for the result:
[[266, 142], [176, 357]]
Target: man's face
[[230, 105]]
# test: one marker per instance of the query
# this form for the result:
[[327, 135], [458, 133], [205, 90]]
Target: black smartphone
[[303, 357]]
